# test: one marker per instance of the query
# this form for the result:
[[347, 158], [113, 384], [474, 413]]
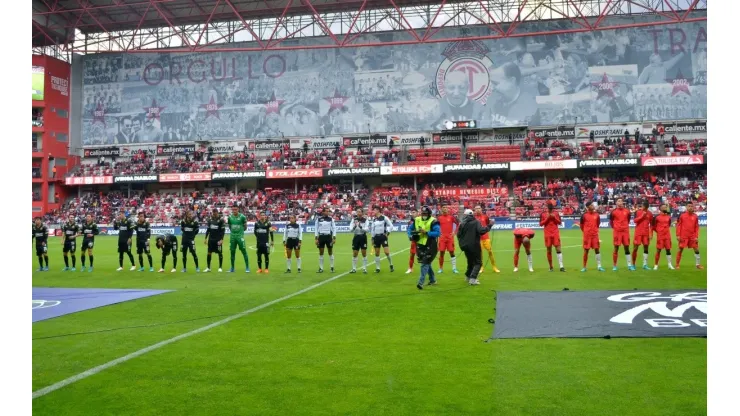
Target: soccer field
[[360, 344]]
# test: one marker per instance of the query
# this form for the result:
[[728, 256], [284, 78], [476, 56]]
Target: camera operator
[[425, 231]]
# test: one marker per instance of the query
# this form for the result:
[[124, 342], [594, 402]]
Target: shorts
[[188, 245], [142, 247], [123, 246], [688, 243], [40, 250], [166, 249], [447, 243], [621, 238], [359, 242], [263, 249], [380, 240], [518, 242], [325, 241], [552, 240], [664, 243], [641, 240], [235, 242], [70, 245], [88, 244], [214, 246], [591, 242], [293, 244], [485, 244], [413, 247]]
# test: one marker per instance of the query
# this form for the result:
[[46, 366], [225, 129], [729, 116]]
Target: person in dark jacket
[[468, 236], [425, 231]]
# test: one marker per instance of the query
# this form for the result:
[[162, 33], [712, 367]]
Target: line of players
[[379, 227]]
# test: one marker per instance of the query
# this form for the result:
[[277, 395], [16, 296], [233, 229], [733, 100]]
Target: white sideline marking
[[95, 370]]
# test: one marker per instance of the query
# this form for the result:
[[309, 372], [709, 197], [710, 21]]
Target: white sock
[[377, 262], [529, 260], [364, 262], [321, 262], [629, 260], [598, 260], [290, 261], [644, 259], [354, 263], [453, 260], [560, 259], [298, 262], [669, 257], [697, 256], [331, 260], [389, 259]]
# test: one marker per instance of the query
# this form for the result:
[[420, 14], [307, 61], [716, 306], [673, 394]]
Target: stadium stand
[[395, 201]]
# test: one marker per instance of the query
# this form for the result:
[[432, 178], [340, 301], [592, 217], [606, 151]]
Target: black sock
[[41, 262], [131, 257], [82, 257], [120, 259], [91, 260], [174, 260], [185, 259], [220, 260], [149, 257], [164, 260], [259, 260], [208, 260], [195, 258], [46, 259], [141, 261], [74, 261], [66, 261], [267, 261]]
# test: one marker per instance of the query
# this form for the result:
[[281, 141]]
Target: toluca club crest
[[469, 58]]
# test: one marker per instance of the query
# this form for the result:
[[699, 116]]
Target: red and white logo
[[465, 64], [673, 160], [294, 173], [411, 169], [88, 180], [544, 165], [185, 177]]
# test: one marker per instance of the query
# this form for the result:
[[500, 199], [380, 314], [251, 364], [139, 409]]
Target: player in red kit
[[413, 243], [590, 222], [662, 227], [619, 220], [485, 239], [643, 224], [687, 232], [523, 237], [447, 225], [550, 220]]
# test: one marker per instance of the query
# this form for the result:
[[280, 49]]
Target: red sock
[[657, 257], [615, 255], [411, 261], [549, 258], [634, 255], [441, 259], [516, 259], [678, 257], [585, 258]]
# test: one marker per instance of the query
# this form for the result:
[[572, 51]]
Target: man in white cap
[[468, 236]]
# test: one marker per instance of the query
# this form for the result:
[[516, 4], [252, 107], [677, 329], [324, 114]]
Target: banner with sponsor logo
[[351, 171], [605, 163], [174, 149], [697, 126], [455, 137], [477, 167], [222, 147], [544, 165], [135, 178], [256, 145], [555, 132], [584, 132], [294, 173], [411, 169], [88, 180], [316, 143], [476, 191], [238, 175], [185, 177], [365, 141], [101, 151], [502, 135], [410, 139], [672, 160]]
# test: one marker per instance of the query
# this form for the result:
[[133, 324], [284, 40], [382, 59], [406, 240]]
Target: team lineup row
[[429, 236]]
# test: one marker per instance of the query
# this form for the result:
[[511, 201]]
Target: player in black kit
[[215, 239], [189, 229], [70, 231], [125, 229], [167, 243], [359, 228], [292, 238], [40, 233], [143, 234], [263, 228], [326, 236], [89, 231]]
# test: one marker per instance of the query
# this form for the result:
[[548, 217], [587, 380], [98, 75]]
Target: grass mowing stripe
[[95, 370]]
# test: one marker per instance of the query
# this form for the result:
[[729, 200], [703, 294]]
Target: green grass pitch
[[361, 345]]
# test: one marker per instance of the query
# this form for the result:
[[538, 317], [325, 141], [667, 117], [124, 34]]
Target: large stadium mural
[[647, 73]]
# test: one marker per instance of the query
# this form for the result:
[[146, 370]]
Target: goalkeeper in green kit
[[237, 224]]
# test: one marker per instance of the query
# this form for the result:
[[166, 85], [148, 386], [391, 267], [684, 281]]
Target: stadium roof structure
[[95, 26]]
